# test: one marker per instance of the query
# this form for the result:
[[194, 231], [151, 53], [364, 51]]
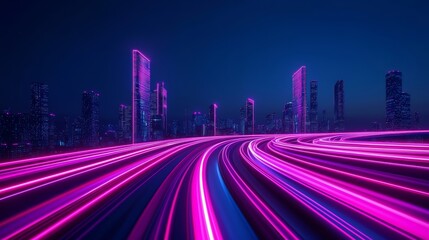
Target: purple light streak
[[282, 186]]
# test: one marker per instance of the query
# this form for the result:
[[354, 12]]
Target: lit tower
[[141, 97], [212, 119], [314, 125], [339, 106], [299, 100], [39, 114], [250, 116]]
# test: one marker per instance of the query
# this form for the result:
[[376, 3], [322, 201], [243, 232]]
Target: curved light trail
[[327, 186]]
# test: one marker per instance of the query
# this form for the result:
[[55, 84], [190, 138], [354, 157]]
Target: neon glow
[[330, 185]]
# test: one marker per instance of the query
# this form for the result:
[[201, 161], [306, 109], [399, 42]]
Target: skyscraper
[[90, 118], [339, 106], [288, 118], [393, 99], [198, 124], [39, 115], [250, 116], [314, 124], [141, 97], [124, 131], [299, 100], [159, 112], [405, 107], [212, 128]]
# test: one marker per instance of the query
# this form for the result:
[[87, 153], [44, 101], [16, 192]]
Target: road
[[324, 186]]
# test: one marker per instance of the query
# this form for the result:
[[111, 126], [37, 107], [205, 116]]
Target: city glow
[[324, 185]]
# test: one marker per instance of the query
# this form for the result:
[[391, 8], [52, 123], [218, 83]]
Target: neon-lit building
[[159, 112], [287, 120], [141, 98], [90, 118], [314, 123], [299, 100], [212, 125], [39, 114], [124, 126], [339, 106], [248, 117], [393, 99]]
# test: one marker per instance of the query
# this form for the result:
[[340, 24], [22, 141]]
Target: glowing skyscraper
[[159, 112], [314, 124], [299, 100], [339, 106], [39, 115], [212, 119], [141, 97], [250, 116]]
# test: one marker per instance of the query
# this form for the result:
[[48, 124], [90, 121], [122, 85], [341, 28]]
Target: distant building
[[212, 124], [90, 118], [398, 108], [124, 126], [159, 112], [141, 97], [314, 124], [416, 120], [288, 118], [247, 117], [14, 137], [39, 114], [299, 100], [53, 134], [405, 107], [339, 106]]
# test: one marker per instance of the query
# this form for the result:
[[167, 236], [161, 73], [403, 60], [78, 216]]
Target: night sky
[[215, 51]]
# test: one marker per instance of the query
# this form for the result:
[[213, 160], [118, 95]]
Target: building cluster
[[41, 131]]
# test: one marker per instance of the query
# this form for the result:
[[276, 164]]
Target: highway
[[299, 186]]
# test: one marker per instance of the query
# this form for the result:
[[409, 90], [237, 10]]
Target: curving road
[[324, 186]]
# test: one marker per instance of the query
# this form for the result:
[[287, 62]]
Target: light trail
[[333, 185]]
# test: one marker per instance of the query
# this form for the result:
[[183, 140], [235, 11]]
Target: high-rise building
[[299, 100], [314, 123], [212, 125], [141, 97], [250, 116], [393, 99], [159, 112], [39, 114], [405, 107], [124, 130], [288, 118], [339, 106], [90, 118]]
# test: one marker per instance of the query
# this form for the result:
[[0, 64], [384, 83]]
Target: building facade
[[124, 126], [212, 124], [314, 122], [339, 125], [299, 100], [140, 97], [393, 99], [39, 116], [90, 119]]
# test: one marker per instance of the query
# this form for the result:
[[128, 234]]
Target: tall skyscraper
[[288, 118], [90, 118], [198, 124], [299, 100], [212, 128], [159, 112], [124, 131], [339, 106], [393, 99], [39, 115], [405, 107], [141, 97], [314, 123], [250, 116]]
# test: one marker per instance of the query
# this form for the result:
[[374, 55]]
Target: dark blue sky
[[215, 51]]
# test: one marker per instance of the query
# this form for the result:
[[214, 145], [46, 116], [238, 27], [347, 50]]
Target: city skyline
[[238, 65]]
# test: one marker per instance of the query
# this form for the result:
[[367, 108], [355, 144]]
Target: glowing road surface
[[324, 186]]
